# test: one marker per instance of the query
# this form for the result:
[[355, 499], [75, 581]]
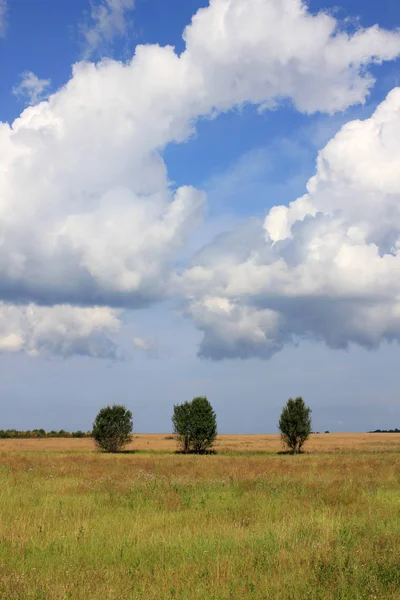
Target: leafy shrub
[[195, 425], [112, 428]]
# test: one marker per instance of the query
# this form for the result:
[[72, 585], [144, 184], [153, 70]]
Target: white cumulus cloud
[[327, 267], [84, 190], [59, 330], [87, 212], [262, 50]]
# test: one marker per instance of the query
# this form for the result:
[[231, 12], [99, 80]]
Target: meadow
[[244, 523]]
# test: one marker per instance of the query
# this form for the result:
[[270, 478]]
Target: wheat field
[[157, 442], [76, 524]]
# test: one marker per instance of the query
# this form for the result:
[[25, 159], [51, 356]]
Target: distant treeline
[[317, 432], [41, 433], [385, 431]]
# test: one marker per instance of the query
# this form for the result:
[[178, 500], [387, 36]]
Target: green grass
[[87, 526]]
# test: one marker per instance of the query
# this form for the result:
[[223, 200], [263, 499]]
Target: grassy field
[[80, 525]]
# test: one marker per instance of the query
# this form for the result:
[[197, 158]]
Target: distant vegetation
[[385, 431], [41, 433], [318, 432]]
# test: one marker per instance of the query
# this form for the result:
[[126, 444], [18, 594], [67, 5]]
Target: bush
[[78, 434], [195, 425], [295, 424], [112, 428]]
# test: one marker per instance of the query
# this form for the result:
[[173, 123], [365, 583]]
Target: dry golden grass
[[332, 442]]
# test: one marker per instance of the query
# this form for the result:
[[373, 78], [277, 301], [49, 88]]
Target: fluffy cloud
[[87, 213], [262, 50], [107, 21], [59, 330], [327, 267], [31, 87], [84, 190]]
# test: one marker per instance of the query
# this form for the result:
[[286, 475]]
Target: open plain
[[244, 523], [162, 442]]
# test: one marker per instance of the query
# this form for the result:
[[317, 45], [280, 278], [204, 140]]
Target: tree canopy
[[112, 428], [295, 424], [195, 425]]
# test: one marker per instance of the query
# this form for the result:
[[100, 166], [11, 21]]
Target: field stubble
[[77, 524]]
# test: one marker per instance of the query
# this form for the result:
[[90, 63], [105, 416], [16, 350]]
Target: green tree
[[295, 424], [112, 428], [195, 424], [203, 425], [181, 424]]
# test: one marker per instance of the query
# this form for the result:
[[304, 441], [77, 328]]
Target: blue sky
[[119, 283]]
